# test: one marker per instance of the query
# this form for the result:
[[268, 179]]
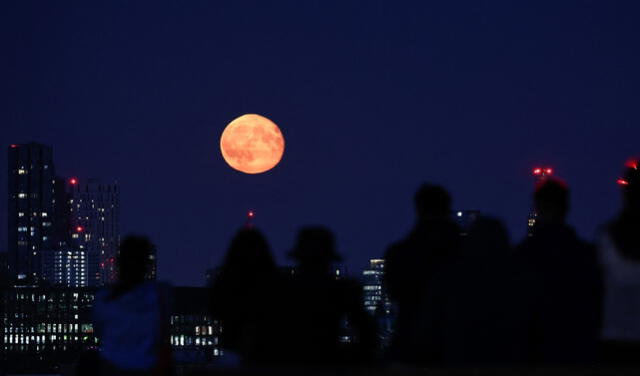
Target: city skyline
[[373, 99]]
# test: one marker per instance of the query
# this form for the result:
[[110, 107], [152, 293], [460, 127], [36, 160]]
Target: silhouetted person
[[476, 313], [320, 302], [131, 317], [619, 251], [411, 265], [246, 298], [564, 284]]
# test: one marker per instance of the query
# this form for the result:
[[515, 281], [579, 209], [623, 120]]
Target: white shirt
[[129, 326], [621, 293]]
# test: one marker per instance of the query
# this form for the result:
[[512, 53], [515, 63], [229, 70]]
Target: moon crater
[[252, 144]]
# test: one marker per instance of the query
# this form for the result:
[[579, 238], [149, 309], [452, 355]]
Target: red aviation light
[[79, 229], [622, 182], [537, 171], [13, 146], [549, 171], [73, 181], [251, 214]]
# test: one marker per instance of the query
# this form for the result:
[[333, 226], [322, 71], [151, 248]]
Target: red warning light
[[79, 229], [632, 164], [73, 181], [549, 171], [622, 182], [251, 214], [13, 146], [537, 171]]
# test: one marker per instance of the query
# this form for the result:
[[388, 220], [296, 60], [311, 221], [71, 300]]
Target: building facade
[[31, 208], [65, 267], [376, 300], [45, 325], [94, 222], [540, 174], [53, 325]]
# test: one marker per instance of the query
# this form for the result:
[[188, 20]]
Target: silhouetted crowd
[[462, 299]]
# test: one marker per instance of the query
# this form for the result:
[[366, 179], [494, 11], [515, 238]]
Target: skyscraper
[[66, 267], [152, 270], [375, 297], [540, 174], [376, 300], [31, 209], [95, 226]]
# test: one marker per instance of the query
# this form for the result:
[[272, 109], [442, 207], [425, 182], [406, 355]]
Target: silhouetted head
[[551, 200], [134, 259], [432, 202], [315, 249], [489, 237], [249, 254], [630, 184]]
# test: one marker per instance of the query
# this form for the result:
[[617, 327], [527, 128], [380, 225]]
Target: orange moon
[[252, 144]]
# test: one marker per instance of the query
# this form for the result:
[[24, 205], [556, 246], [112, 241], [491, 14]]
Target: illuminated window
[[22, 195], [22, 171]]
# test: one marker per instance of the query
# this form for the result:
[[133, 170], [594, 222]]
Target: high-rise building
[[376, 300], [375, 297], [31, 210], [94, 224], [540, 174], [4, 269], [66, 267], [61, 214], [152, 272]]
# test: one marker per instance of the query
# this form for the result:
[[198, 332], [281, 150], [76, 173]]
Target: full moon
[[252, 144]]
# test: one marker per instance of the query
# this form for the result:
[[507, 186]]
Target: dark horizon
[[373, 99]]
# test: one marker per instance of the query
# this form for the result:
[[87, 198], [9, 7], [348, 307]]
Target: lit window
[[20, 214], [22, 171], [44, 214], [22, 195]]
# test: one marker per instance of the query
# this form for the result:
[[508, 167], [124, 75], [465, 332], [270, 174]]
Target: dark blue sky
[[373, 97]]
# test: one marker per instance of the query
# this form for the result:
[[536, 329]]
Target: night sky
[[373, 98]]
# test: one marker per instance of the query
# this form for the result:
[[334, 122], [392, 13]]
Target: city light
[[79, 229], [73, 181], [251, 214], [13, 146], [623, 182], [542, 171]]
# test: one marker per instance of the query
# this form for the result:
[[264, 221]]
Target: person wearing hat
[[619, 253], [320, 302]]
